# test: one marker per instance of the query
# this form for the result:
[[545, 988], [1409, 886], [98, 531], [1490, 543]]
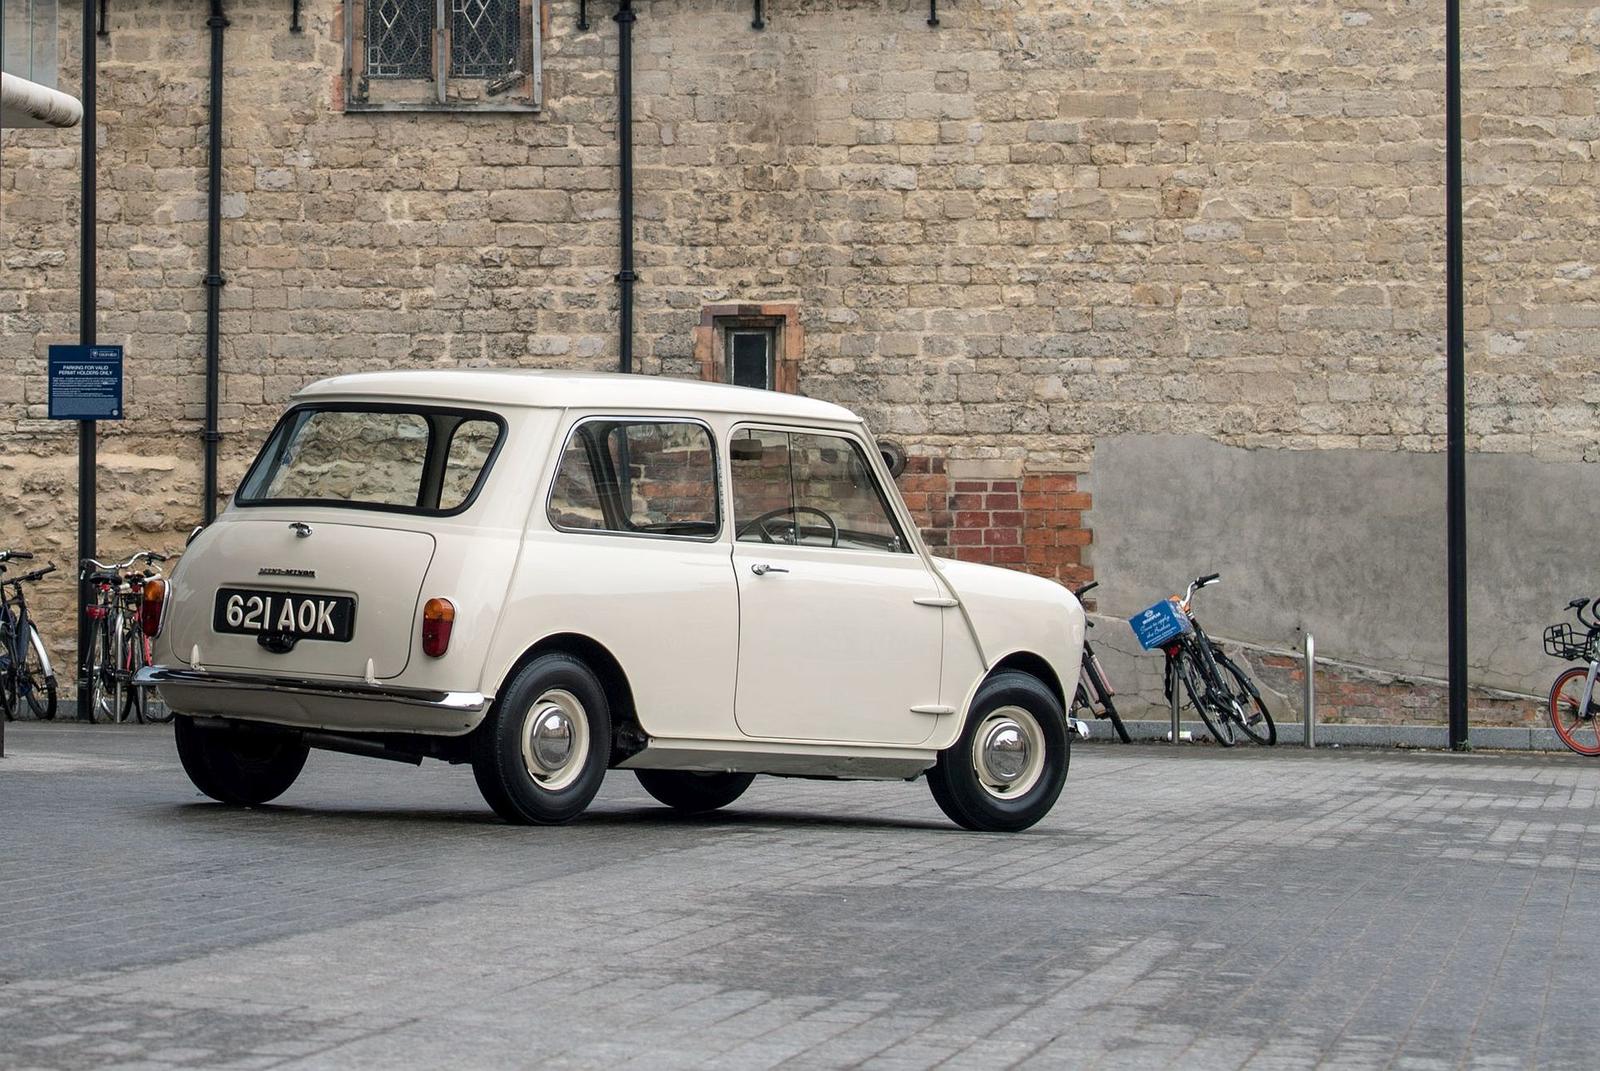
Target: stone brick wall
[[1045, 222]]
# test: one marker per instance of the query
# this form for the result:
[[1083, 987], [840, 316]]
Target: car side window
[[470, 446], [639, 478], [810, 490], [763, 491]]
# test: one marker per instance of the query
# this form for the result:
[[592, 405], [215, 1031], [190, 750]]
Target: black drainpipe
[[211, 436], [625, 278]]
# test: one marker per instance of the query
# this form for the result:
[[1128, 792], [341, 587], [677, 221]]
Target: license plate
[[252, 612]]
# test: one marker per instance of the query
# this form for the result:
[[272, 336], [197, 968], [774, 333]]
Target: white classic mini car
[[546, 575]]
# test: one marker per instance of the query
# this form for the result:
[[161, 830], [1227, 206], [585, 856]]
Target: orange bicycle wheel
[[1578, 728]]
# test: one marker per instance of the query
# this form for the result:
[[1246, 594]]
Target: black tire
[[506, 749], [129, 662], [239, 764], [691, 792], [1097, 685], [41, 685], [1257, 723], [1220, 728], [971, 800], [100, 674]]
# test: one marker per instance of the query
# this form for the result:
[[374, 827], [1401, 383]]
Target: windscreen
[[379, 457]]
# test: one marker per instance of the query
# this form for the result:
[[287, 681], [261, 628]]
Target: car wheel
[[541, 754], [239, 765], [1009, 765], [691, 792]]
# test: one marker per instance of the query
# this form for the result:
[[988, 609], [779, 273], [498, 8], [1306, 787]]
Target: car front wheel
[[1009, 765], [541, 754], [239, 764]]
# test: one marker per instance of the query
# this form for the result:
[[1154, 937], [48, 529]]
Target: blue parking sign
[[85, 382]]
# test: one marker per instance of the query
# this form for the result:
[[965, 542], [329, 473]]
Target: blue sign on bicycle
[[1159, 624], [85, 382]]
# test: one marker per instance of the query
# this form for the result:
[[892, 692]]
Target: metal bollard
[[1174, 738], [1311, 691]]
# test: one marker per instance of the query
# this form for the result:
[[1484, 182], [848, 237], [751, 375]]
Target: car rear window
[[423, 460]]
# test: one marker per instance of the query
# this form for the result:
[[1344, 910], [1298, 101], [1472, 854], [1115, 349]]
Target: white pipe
[[21, 98]]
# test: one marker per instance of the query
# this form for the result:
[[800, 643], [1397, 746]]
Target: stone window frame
[[443, 92], [710, 340]]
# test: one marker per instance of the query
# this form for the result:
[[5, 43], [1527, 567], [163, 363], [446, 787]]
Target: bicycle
[[119, 644], [25, 672], [1574, 710], [1093, 680], [1225, 697]]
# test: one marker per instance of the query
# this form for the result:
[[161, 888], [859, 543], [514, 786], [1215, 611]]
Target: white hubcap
[[555, 739], [1008, 752]]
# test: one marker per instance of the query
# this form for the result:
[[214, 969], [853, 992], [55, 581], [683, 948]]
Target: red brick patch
[[1034, 523]]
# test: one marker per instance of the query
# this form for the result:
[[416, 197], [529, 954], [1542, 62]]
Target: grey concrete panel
[[1349, 544]]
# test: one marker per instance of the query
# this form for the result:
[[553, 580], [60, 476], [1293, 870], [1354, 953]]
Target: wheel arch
[[1032, 664], [627, 737]]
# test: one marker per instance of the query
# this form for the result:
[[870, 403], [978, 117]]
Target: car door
[[840, 631]]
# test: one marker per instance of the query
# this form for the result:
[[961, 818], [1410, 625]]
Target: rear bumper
[[309, 703]]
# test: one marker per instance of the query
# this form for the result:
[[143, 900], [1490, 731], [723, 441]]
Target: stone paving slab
[[1209, 909]]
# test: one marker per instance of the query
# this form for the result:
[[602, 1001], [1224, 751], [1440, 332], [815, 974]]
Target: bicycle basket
[[1159, 624], [1564, 641]]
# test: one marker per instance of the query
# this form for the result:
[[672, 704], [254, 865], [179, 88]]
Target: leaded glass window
[[485, 36], [400, 38], [442, 55]]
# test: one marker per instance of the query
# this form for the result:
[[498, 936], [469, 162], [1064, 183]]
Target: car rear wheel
[[239, 764], [1010, 763], [691, 792], [541, 754]]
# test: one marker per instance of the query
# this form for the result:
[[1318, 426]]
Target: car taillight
[[438, 616], [155, 597]]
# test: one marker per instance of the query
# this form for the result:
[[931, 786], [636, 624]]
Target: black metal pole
[[86, 337], [625, 18], [214, 281], [1456, 384]]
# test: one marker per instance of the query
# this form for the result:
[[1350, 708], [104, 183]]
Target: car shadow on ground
[[627, 816]]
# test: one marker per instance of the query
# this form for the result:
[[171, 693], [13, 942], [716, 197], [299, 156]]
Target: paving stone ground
[[1261, 909]]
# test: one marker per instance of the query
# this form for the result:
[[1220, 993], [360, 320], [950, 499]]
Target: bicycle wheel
[[1578, 728], [33, 682], [99, 673], [1250, 711], [1221, 729], [129, 663], [1097, 682], [8, 688]]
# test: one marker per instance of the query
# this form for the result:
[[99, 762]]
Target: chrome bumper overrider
[[455, 702]]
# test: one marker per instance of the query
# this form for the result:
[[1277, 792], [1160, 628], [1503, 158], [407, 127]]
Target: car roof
[[572, 390]]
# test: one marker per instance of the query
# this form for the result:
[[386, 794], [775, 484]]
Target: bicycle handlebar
[[117, 567], [28, 578], [1081, 592], [1198, 583], [16, 555]]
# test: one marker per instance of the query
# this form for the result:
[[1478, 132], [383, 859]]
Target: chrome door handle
[[762, 569]]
